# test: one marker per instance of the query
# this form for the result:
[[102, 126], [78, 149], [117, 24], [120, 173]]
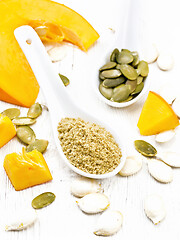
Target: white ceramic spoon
[[59, 102]]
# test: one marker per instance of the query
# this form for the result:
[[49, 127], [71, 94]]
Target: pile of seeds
[[23, 130], [122, 79], [88, 146]]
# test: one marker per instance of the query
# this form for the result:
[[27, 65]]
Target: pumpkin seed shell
[[25, 134], [21, 121], [145, 148], [128, 71], [121, 94], [43, 200], [34, 111], [11, 113], [106, 92], [112, 73], [107, 66], [39, 144], [144, 68]]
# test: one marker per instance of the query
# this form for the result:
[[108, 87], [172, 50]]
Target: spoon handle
[[43, 69]]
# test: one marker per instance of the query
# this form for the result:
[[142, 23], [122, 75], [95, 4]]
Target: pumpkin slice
[[18, 84], [26, 169], [7, 130], [156, 116]]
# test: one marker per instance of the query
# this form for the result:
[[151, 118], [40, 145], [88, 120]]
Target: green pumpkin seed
[[132, 84], [64, 79], [138, 71], [128, 99], [113, 55], [145, 148], [136, 59], [25, 134], [21, 121], [11, 113], [107, 66], [101, 76], [43, 200], [138, 89], [121, 94], [124, 57], [113, 82], [34, 111], [106, 92], [128, 71], [39, 144], [144, 68], [125, 50], [139, 80], [118, 66], [112, 73]]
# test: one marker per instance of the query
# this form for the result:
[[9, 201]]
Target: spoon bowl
[[58, 100]]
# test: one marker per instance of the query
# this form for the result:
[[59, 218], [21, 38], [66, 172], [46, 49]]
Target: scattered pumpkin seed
[[112, 73], [121, 94], [64, 79], [106, 92], [113, 55], [113, 82], [43, 200], [128, 71], [21, 121], [39, 144], [165, 61], [107, 66], [11, 113], [138, 89], [132, 165], [124, 57], [145, 148], [34, 111], [144, 68], [25, 134]]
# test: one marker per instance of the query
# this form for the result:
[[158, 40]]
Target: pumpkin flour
[[88, 146]]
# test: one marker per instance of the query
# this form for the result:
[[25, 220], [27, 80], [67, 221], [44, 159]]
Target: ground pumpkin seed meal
[[88, 146]]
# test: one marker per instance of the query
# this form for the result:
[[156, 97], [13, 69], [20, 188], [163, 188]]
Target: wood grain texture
[[63, 219]]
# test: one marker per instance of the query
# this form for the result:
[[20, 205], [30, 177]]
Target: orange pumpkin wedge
[[7, 130], [156, 116], [18, 84], [27, 169]]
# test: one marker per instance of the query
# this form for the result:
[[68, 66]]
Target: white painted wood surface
[[63, 220]]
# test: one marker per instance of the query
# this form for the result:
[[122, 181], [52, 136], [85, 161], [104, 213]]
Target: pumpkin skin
[[7, 130], [18, 84], [27, 169], [156, 116]]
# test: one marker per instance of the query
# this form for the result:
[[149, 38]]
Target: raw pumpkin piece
[[7, 130], [156, 116], [53, 22], [26, 169]]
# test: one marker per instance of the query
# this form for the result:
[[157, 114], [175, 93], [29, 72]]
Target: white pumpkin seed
[[57, 53], [165, 136], [93, 203], [83, 186], [109, 223], [165, 61], [150, 53], [170, 158], [160, 171], [154, 208], [21, 220], [176, 107], [132, 165]]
